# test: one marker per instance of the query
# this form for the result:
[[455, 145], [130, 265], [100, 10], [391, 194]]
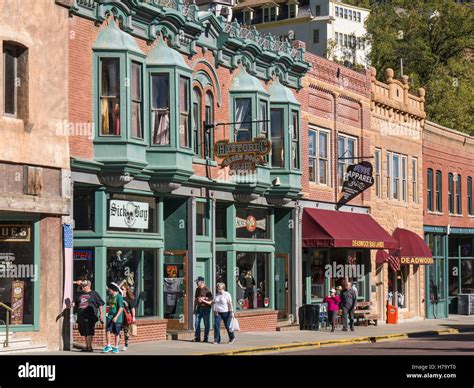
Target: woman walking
[[223, 311], [333, 301]]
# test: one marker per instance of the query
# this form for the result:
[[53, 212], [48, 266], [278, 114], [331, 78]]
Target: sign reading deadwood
[[244, 155]]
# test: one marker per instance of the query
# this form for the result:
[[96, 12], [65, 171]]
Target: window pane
[[323, 168], [197, 122], [84, 200], [467, 276], [201, 219], [312, 143], [208, 143], [137, 268], [323, 145], [453, 277], [243, 118], [252, 223], [252, 281], [221, 219], [221, 268], [18, 255], [9, 81], [160, 109], [110, 97], [184, 108], [137, 130], [262, 115], [278, 140]]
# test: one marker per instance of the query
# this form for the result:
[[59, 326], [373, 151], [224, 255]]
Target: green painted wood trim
[[101, 273]]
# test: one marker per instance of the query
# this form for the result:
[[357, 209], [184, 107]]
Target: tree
[[435, 39]]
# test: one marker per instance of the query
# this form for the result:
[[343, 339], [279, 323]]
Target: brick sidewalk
[[255, 342]]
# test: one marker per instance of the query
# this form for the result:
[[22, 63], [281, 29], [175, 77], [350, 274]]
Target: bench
[[362, 312]]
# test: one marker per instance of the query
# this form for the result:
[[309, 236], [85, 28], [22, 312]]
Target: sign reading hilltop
[[243, 155], [358, 178]]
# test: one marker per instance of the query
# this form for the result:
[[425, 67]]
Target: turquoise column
[[271, 286], [101, 272], [160, 258], [100, 218], [231, 282]]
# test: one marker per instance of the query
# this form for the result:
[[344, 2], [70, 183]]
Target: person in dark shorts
[[129, 305], [87, 304], [114, 318]]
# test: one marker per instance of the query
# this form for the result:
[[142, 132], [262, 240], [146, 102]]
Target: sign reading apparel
[[128, 214], [358, 179]]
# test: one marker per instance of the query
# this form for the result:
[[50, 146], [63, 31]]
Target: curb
[[335, 342]]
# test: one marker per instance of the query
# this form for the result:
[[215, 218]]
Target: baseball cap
[[114, 286], [199, 279], [333, 290]]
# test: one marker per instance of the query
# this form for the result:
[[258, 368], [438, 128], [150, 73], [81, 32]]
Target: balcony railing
[[267, 41]]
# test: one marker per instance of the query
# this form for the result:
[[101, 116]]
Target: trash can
[[392, 314], [308, 316]]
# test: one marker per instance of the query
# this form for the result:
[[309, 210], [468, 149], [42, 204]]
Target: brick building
[[34, 165], [152, 206], [448, 168], [349, 117]]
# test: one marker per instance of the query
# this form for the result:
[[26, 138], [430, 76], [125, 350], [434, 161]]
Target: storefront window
[[131, 213], [252, 282], [402, 286], [110, 96], [174, 286], [252, 223], [221, 220], [466, 247], [137, 267], [278, 137], [160, 109], [467, 281], [453, 276], [83, 267], [221, 267], [83, 202], [318, 260], [18, 271]]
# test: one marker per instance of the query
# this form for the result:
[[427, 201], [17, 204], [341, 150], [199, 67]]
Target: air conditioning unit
[[466, 304]]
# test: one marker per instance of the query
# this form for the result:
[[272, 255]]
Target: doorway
[[282, 301], [175, 298]]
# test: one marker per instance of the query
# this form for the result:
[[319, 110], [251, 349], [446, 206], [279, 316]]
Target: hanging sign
[[128, 214], [243, 155], [251, 223], [18, 300], [358, 178]]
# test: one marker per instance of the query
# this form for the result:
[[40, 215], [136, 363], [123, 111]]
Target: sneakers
[[232, 341], [216, 343], [124, 349], [107, 349], [352, 329], [116, 351], [344, 329]]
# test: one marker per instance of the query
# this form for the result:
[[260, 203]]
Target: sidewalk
[[264, 342]]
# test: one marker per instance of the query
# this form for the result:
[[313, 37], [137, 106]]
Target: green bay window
[[160, 109]]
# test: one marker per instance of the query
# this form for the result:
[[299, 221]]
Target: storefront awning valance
[[327, 228], [413, 249]]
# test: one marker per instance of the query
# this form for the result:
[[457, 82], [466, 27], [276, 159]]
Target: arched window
[[197, 130], [209, 131], [429, 189]]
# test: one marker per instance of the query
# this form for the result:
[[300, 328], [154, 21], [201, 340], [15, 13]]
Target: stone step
[[31, 348], [18, 342], [292, 327], [283, 322]]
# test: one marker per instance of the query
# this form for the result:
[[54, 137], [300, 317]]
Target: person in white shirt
[[223, 311]]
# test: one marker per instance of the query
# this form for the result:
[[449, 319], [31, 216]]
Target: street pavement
[[447, 345], [286, 341]]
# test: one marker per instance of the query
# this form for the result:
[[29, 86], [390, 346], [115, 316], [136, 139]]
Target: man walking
[[202, 309], [348, 304]]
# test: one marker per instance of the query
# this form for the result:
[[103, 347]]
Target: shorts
[[86, 326], [113, 327]]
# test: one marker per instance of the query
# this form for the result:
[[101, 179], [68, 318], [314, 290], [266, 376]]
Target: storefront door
[[281, 285], [437, 303], [175, 267]]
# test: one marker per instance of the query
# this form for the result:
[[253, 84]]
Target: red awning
[[381, 256], [413, 249], [328, 228]]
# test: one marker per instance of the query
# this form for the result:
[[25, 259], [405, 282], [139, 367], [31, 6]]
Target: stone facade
[[34, 152], [397, 124]]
